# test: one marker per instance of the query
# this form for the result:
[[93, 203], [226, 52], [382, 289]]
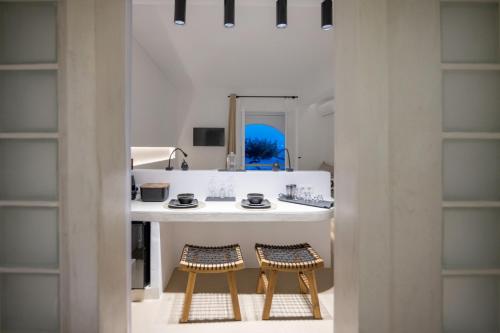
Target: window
[[264, 141]]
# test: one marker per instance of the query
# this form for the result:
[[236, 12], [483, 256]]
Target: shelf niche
[[29, 170], [470, 32], [29, 237], [471, 101], [471, 170], [471, 304], [471, 239], [28, 32], [28, 101], [29, 303]]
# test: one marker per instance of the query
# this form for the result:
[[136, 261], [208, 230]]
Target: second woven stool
[[299, 258], [202, 259]]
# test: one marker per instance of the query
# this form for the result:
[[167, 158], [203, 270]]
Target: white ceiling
[[253, 56]]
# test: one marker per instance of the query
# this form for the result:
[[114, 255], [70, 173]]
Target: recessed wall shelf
[[31, 239], [471, 170], [471, 304], [30, 302], [471, 272], [471, 136], [29, 67], [471, 239], [470, 65], [29, 135]]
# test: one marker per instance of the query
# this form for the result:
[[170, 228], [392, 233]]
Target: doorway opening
[[182, 76]]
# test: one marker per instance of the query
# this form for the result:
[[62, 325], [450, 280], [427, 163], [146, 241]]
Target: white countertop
[[228, 212]]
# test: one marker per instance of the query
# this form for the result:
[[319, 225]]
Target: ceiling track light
[[327, 15], [229, 13], [180, 12], [281, 15]]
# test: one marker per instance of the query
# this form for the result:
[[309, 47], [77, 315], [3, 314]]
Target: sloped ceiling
[[253, 56]]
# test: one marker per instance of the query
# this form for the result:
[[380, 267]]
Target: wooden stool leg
[[273, 277], [313, 289], [302, 286], [260, 282], [231, 281], [188, 297]]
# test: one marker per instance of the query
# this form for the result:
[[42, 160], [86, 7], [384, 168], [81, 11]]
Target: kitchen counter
[[222, 223], [228, 212]]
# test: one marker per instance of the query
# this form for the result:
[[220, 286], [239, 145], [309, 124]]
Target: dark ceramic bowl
[[255, 198], [185, 198]]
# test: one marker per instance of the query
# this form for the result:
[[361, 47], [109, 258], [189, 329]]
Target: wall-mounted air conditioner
[[326, 107]]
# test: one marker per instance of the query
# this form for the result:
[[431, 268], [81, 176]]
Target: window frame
[[242, 135]]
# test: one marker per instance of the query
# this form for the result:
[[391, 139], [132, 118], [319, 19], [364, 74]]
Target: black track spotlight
[[281, 20], [229, 13], [326, 15], [180, 12]]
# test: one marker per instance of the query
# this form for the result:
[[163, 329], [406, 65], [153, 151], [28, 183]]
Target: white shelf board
[[27, 270], [28, 67], [469, 67], [471, 136], [30, 135], [16, 203], [471, 204], [471, 272]]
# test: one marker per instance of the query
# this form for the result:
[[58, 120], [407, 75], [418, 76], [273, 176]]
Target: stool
[[299, 258], [202, 259]]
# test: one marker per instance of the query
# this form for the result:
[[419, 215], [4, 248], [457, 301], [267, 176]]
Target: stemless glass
[[212, 188], [300, 193], [222, 191]]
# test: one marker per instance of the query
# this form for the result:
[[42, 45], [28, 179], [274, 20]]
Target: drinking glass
[[212, 188], [230, 190], [222, 190], [308, 194], [301, 193]]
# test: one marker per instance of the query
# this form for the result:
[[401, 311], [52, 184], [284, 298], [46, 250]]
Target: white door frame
[[388, 204], [95, 89]]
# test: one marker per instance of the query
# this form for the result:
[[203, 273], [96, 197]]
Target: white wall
[[170, 118], [209, 107], [203, 108], [154, 103], [316, 130], [316, 138], [165, 110]]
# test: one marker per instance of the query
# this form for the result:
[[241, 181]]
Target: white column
[[388, 174]]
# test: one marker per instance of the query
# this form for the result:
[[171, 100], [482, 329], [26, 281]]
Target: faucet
[[289, 169], [169, 167]]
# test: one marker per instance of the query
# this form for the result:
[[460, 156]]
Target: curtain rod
[[247, 96]]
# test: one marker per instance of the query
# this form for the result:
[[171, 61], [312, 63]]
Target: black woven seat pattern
[[287, 254], [211, 255]]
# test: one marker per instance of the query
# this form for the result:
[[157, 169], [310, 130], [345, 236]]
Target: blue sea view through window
[[264, 145]]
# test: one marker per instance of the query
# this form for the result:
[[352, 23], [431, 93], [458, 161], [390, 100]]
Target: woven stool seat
[[298, 258], [288, 257], [206, 259]]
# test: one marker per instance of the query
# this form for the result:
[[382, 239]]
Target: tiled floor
[[211, 309]]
